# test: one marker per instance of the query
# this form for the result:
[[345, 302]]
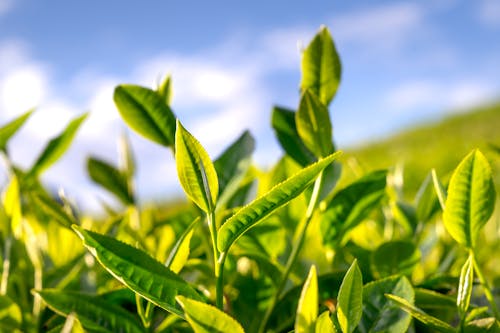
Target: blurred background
[[405, 64]]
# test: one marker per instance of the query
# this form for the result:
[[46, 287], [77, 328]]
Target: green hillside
[[439, 145]]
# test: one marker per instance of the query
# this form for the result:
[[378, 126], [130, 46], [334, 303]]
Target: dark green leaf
[[321, 68], [110, 178], [427, 320], [278, 196], [350, 299], [196, 171], [471, 199], [93, 312], [146, 112], [381, 315], [57, 147], [351, 205], [430, 299], [283, 122], [137, 270], [11, 128], [205, 318], [395, 257], [313, 125]]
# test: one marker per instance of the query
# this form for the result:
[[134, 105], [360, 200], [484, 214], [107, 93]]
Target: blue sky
[[404, 62]]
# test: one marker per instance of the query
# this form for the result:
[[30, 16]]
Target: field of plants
[[324, 241]]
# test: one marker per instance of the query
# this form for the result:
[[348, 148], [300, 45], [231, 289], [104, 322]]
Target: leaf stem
[[486, 288], [299, 241], [218, 262]]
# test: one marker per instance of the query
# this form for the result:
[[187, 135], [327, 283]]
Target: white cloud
[[489, 12], [412, 94]]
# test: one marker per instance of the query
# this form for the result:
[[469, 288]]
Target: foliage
[[292, 248]]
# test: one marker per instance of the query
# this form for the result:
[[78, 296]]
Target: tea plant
[[251, 251]]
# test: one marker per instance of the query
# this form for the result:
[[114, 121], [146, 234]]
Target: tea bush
[[250, 250]]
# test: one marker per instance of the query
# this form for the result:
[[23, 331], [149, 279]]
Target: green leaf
[[283, 123], [430, 299], [483, 325], [196, 171], [465, 286], [12, 204], [321, 68], [205, 318], [57, 147], [110, 178], [11, 128], [146, 112], [350, 299], [313, 125], [180, 253], [395, 257], [10, 315], [127, 159], [439, 188], [471, 199], [324, 323], [426, 200], [54, 210], [137, 270], [165, 90], [278, 196], [93, 312], [428, 320], [307, 310], [351, 205], [232, 165], [380, 314]]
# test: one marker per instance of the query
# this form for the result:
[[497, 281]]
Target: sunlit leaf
[[93, 312], [321, 68], [57, 147], [205, 318], [350, 299], [395, 257], [11, 128], [10, 315], [426, 200], [471, 199], [137, 270], [279, 195], [196, 171], [324, 323], [283, 123], [165, 89], [180, 252], [12, 204], [146, 112], [54, 210], [483, 325], [110, 178], [380, 314], [428, 320], [307, 310], [313, 125], [465, 285]]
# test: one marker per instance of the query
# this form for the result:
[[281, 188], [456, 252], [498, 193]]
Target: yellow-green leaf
[[471, 199], [205, 318], [11, 128], [324, 323], [195, 170], [307, 309], [350, 299], [465, 285], [12, 204]]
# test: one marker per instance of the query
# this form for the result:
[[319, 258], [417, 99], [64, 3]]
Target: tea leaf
[[232, 165], [110, 178], [54, 210], [321, 68], [137, 270], [471, 199], [351, 205], [426, 200], [180, 252], [430, 299], [165, 90], [313, 125], [195, 170], [258, 209], [146, 112], [324, 324], [12, 204], [439, 188], [420, 315], [283, 123], [465, 285], [57, 147], [396, 257], [307, 310], [483, 325], [205, 318], [93, 312], [10, 315], [350, 299], [11, 128], [380, 314]]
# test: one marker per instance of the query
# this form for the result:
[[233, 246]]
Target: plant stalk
[[486, 288], [299, 241], [218, 262]]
